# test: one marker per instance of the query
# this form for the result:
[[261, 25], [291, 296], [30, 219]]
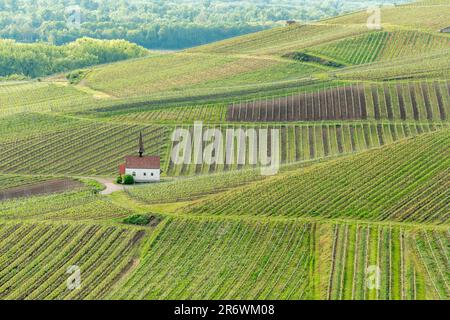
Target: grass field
[[358, 210]]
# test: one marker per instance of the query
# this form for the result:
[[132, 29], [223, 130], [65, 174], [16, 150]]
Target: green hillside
[[388, 184], [363, 123], [380, 46]]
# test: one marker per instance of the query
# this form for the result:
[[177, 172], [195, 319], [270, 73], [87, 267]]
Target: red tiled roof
[[147, 162]]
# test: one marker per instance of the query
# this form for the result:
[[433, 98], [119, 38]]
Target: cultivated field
[[358, 210], [399, 101], [404, 182]]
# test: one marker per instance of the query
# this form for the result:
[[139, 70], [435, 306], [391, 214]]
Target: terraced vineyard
[[242, 255], [429, 66], [193, 187], [300, 143], [41, 97], [400, 101], [141, 77], [283, 40], [206, 113], [382, 45], [51, 153]]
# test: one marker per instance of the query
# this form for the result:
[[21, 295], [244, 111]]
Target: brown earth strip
[[42, 188], [362, 100], [352, 138], [346, 103], [326, 147], [366, 130]]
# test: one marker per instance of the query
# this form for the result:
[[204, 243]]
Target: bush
[[119, 180], [304, 57], [14, 77], [138, 219], [76, 76], [128, 180], [95, 186]]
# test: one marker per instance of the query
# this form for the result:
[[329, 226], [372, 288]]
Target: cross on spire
[[141, 145]]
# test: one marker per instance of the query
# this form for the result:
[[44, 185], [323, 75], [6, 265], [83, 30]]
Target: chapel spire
[[141, 145]]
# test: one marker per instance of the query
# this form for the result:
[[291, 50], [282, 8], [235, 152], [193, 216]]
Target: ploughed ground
[[41, 188]]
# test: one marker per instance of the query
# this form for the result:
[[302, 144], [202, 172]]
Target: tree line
[[30, 60]]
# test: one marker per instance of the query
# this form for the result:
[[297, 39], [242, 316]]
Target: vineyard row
[[426, 101]]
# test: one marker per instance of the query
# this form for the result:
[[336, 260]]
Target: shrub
[[304, 57], [119, 180], [138, 219], [76, 76], [128, 180]]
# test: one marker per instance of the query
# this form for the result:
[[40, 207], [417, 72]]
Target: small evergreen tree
[[128, 180]]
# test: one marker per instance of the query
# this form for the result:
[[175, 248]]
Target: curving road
[[109, 184]]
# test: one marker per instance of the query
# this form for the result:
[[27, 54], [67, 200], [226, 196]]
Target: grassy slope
[[83, 148], [377, 185], [87, 148]]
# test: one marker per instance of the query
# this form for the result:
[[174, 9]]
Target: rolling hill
[[363, 118]]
